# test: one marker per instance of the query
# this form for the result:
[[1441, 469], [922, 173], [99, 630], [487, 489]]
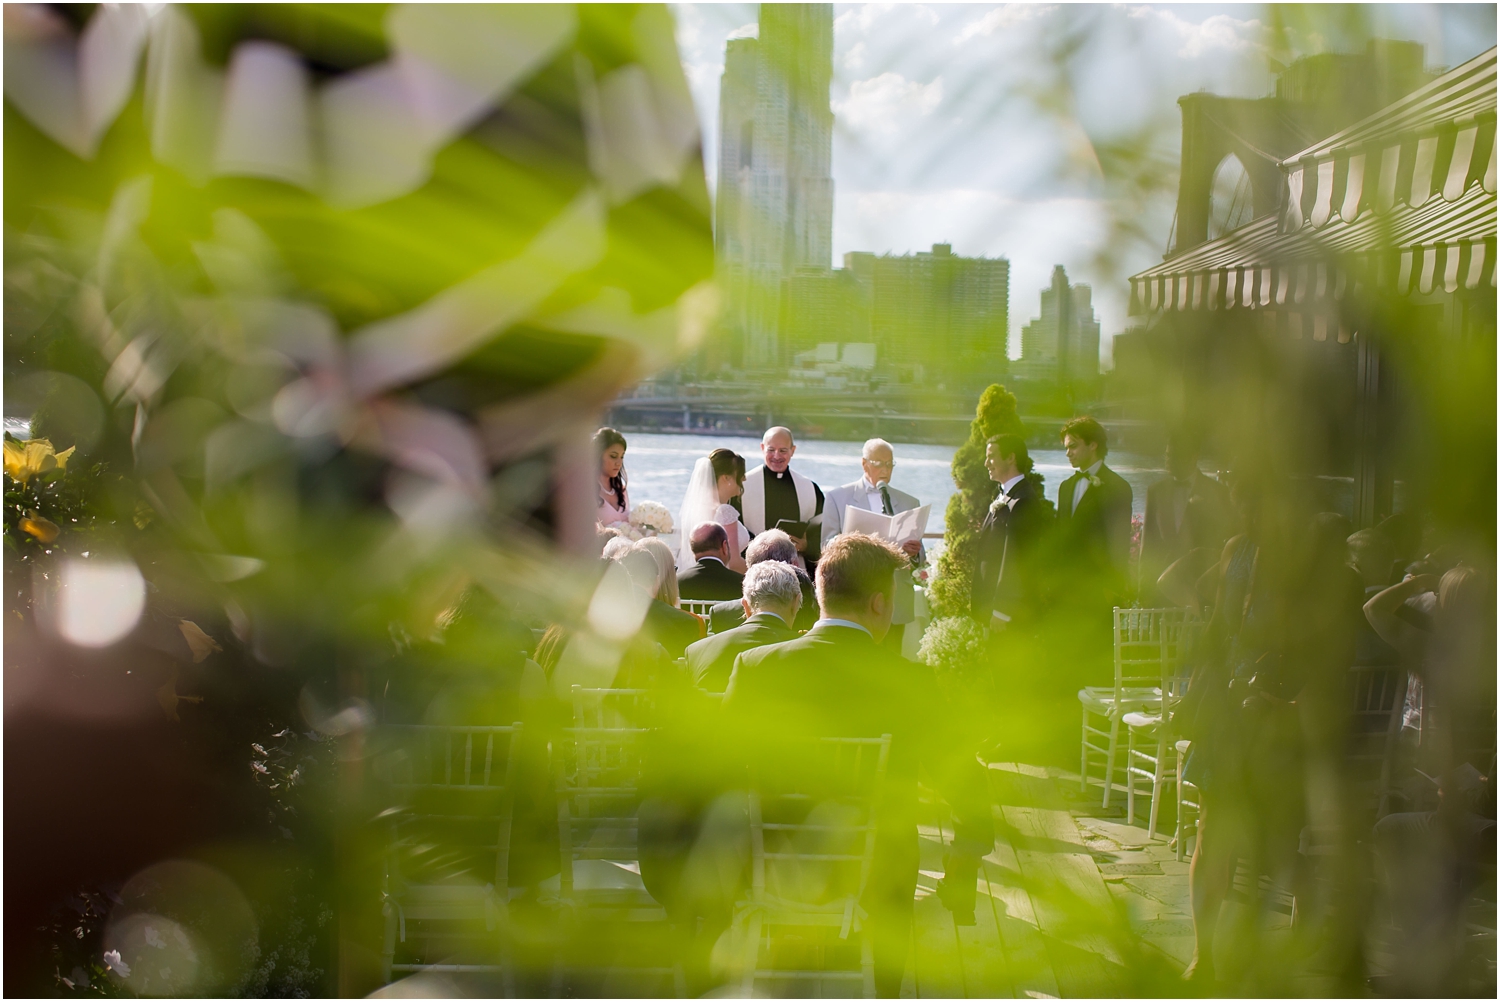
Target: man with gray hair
[[772, 596], [873, 492], [773, 544]]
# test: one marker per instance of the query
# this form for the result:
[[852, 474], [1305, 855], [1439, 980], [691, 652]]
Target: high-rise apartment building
[[936, 313], [774, 211], [1064, 340], [819, 306]]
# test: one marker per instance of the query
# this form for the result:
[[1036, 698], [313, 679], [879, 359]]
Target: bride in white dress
[[717, 479]]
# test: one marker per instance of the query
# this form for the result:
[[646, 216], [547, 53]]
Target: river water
[[659, 467]]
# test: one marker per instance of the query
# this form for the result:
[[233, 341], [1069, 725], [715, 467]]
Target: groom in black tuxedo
[[1007, 586], [838, 681]]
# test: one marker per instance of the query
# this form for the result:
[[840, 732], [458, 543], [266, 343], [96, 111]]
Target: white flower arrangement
[[954, 643], [959, 654], [652, 518]]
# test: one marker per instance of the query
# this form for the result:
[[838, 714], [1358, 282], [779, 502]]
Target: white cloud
[[751, 30], [882, 103], [1002, 18], [863, 17], [1214, 36]]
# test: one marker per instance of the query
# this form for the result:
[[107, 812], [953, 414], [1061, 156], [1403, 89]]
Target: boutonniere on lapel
[[1093, 479], [1002, 501]]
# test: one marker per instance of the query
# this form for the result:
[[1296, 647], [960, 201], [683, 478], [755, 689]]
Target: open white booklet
[[898, 529]]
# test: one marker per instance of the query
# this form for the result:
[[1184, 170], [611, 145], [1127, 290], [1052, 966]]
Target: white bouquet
[[959, 654], [653, 518]]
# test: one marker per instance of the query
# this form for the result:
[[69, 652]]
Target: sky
[[1046, 134]]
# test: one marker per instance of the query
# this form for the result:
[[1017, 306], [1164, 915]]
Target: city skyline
[[946, 128]]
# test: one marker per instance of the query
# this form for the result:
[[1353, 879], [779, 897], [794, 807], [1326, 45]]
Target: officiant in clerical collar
[[776, 493]]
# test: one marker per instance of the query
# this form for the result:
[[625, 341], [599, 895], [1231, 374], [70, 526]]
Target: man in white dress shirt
[[873, 492]]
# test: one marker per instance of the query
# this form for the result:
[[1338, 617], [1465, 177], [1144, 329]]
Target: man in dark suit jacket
[[711, 578], [1186, 510], [773, 544], [772, 597], [838, 681], [1093, 510], [1005, 585]]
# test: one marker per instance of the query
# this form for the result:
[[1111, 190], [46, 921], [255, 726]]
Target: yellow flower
[[24, 460], [38, 526]]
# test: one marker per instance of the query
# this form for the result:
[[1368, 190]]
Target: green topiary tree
[[995, 415]]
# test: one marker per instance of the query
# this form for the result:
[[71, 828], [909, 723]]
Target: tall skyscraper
[[774, 212], [1065, 338]]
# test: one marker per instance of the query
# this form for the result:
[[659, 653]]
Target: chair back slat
[[450, 822], [598, 775], [1148, 647], [1377, 696], [812, 828]]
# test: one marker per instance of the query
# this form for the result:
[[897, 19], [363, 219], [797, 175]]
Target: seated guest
[[773, 544], [772, 596], [711, 577], [616, 547], [603, 534], [652, 567], [838, 681]]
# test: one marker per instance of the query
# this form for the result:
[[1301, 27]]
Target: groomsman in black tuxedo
[[1091, 570], [1093, 510], [838, 681], [1006, 588], [711, 577]]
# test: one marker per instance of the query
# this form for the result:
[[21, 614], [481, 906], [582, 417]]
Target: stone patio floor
[[1073, 902]]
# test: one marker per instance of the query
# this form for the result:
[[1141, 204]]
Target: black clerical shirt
[[781, 503]]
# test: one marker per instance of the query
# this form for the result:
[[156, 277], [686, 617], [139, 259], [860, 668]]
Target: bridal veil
[[699, 505]]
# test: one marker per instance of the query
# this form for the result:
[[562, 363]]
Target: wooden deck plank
[[1029, 966], [940, 963], [983, 949], [985, 966], [1074, 910]]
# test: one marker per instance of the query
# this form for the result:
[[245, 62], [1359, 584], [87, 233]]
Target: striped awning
[[1404, 200], [1435, 246], [1437, 142]]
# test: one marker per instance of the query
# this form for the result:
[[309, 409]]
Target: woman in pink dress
[[614, 498]]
